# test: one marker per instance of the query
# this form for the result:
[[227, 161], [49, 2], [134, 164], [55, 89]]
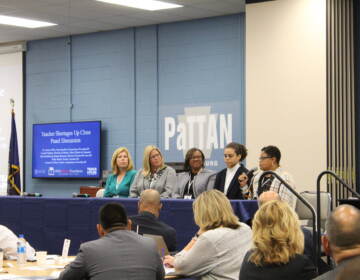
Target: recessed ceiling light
[[23, 22], [150, 5]]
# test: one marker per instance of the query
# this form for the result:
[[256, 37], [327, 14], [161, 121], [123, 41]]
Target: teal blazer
[[122, 189]]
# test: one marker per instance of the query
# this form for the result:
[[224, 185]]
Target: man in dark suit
[[147, 221], [118, 254], [342, 239]]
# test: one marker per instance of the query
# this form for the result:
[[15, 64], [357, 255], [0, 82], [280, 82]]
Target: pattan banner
[[208, 127]]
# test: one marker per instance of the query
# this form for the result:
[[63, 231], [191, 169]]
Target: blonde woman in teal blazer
[[118, 184]]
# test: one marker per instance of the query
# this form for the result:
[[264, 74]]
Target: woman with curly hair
[[278, 246]]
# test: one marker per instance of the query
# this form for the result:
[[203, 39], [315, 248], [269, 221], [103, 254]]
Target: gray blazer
[[164, 183], [203, 181], [120, 254], [216, 255]]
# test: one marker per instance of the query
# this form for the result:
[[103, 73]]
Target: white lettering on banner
[[198, 128]]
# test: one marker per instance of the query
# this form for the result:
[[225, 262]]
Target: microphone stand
[[316, 249]]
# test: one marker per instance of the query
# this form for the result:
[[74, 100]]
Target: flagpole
[[12, 104]]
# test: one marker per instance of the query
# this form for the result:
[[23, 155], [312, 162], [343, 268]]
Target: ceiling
[[86, 16]]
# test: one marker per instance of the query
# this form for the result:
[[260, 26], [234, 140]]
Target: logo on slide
[[51, 171], [91, 171]]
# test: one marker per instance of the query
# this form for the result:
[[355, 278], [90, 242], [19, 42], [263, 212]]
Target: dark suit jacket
[[149, 224], [300, 267], [234, 191], [120, 254]]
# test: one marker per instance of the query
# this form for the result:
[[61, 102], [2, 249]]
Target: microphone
[[252, 171], [32, 194], [80, 195], [265, 186]]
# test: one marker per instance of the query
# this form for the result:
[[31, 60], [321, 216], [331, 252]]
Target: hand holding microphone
[[244, 178]]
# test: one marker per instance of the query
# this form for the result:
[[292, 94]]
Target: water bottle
[[21, 250]]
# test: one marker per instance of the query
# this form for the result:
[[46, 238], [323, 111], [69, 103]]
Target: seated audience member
[[8, 243], [308, 237], [118, 254], [350, 271], [154, 175], [278, 246], [218, 249], [147, 221], [118, 184], [269, 160], [342, 241], [196, 179], [227, 179]]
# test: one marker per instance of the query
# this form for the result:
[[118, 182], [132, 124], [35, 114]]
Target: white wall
[[286, 85], [11, 86]]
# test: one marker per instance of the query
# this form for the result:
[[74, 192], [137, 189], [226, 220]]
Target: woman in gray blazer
[[154, 175], [196, 179]]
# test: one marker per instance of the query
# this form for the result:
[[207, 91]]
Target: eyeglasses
[[229, 155], [262, 158], [155, 156]]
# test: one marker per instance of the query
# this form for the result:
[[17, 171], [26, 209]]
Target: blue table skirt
[[46, 222]]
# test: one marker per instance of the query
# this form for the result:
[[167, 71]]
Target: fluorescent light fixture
[[150, 5], [23, 22]]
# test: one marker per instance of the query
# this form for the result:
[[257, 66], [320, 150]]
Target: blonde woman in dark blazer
[[196, 179], [154, 175], [278, 246]]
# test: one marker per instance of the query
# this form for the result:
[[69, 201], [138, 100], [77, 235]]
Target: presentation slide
[[11, 87], [66, 150]]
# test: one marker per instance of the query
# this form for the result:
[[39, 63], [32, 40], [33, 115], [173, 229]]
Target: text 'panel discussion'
[[180, 139]]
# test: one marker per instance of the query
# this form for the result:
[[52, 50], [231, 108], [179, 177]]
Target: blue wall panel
[[124, 77], [201, 64]]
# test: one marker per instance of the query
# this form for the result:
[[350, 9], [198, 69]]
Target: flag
[[14, 184]]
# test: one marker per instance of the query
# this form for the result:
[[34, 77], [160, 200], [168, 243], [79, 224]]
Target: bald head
[[268, 196], [150, 202], [343, 227]]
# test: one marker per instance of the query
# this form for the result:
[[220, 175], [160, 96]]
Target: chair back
[[305, 214]]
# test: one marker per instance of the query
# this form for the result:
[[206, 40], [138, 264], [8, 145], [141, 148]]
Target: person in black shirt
[[147, 221], [227, 180], [278, 246]]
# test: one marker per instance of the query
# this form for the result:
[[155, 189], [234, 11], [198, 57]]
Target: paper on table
[[169, 270], [55, 274], [8, 276], [43, 267]]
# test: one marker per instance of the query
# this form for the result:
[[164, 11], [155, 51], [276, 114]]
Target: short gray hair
[[343, 227]]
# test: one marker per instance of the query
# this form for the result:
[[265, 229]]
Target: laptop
[[160, 243]]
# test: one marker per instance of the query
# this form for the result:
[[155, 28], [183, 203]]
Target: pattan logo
[[198, 128]]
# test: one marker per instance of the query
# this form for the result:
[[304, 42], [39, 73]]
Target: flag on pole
[[14, 184]]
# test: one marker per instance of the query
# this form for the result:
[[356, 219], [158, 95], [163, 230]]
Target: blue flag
[[14, 184]]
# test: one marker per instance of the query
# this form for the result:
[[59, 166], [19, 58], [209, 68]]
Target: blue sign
[[208, 127], [66, 150]]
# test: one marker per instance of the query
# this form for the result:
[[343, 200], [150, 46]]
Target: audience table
[[47, 271], [46, 222]]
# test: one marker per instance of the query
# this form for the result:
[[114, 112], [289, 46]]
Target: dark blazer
[[300, 267], [234, 191], [120, 254], [149, 224]]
